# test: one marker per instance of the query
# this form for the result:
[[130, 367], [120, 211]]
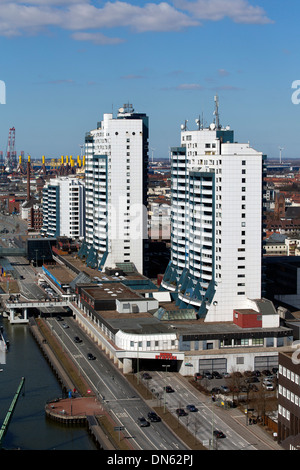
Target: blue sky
[[66, 62]]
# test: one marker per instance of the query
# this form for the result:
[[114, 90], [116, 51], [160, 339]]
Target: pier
[[80, 411]]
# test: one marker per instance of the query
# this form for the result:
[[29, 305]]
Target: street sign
[[119, 428]]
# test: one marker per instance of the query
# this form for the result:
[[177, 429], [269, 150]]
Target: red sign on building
[[165, 356]]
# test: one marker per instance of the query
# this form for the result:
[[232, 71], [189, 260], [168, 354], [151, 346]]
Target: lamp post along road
[[166, 366]]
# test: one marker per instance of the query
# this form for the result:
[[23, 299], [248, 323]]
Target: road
[[116, 394], [121, 400], [209, 417]]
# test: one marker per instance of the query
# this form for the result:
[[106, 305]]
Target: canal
[[29, 429]]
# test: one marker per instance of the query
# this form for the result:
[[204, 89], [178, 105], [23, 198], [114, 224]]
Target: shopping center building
[[142, 328]]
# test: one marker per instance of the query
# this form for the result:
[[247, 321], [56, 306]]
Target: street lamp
[[138, 362], [166, 366]]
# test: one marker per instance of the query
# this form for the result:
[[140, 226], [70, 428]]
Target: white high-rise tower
[[63, 207], [116, 161], [216, 223]]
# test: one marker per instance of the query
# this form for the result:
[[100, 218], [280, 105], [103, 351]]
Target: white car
[[268, 386]]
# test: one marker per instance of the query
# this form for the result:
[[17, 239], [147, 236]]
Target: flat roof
[[247, 311], [112, 291], [80, 265], [134, 323], [61, 273]]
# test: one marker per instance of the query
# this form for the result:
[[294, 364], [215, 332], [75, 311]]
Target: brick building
[[289, 400]]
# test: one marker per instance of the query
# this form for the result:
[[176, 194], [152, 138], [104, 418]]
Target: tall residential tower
[[64, 207], [116, 159], [216, 223]]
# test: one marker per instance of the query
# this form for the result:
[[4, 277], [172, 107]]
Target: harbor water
[[29, 429]]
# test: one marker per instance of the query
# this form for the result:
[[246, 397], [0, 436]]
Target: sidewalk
[[261, 438]]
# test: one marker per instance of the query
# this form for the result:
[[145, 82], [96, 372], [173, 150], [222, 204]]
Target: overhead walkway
[[8, 251], [12, 306]]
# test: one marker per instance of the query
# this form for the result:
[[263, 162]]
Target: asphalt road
[[210, 417], [116, 394]]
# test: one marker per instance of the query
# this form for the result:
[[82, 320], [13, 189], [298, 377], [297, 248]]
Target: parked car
[[146, 376], [207, 375], [216, 374], [91, 356], [169, 389], [191, 408], [59, 318], [226, 375], [266, 372], [77, 339], [267, 380], [251, 380], [219, 434], [181, 412], [143, 423], [64, 325], [215, 390], [224, 389], [154, 418], [257, 373], [268, 386]]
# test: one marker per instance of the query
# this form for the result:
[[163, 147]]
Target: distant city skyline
[[65, 62]]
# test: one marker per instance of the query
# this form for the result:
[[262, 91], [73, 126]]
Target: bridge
[[12, 306], [9, 251]]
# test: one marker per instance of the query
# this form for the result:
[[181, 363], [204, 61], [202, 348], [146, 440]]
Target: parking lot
[[237, 382]]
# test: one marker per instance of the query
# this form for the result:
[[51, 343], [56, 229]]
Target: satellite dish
[[212, 126], [182, 126], [121, 110]]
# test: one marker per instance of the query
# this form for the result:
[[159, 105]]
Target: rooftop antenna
[[216, 112], [280, 150], [184, 126], [152, 153], [198, 122]]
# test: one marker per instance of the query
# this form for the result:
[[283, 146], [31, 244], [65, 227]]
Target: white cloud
[[96, 38], [240, 11], [189, 86], [87, 20], [223, 73], [151, 17]]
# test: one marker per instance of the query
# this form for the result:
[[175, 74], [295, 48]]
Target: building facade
[[64, 208], [216, 223], [289, 400], [116, 190]]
